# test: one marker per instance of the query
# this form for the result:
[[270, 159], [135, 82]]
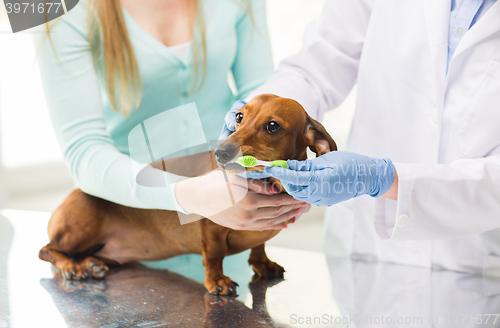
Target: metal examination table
[[318, 291]]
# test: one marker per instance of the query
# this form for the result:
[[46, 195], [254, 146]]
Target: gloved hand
[[229, 120], [334, 177]]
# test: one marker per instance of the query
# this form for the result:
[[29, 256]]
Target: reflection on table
[[153, 294], [142, 297], [318, 291], [408, 296]]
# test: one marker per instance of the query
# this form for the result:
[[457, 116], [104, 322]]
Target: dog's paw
[[268, 269], [221, 285], [74, 271], [94, 267]]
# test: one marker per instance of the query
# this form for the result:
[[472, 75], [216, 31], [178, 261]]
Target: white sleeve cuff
[[388, 225], [437, 201]]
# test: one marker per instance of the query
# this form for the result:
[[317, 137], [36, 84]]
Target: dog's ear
[[317, 139]]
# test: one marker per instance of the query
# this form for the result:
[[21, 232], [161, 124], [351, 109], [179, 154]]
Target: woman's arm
[[253, 64], [74, 101]]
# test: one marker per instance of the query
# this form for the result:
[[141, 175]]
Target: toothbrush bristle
[[247, 161]]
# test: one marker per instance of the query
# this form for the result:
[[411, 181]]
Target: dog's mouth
[[233, 167]]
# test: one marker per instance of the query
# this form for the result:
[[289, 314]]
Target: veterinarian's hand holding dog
[[257, 204], [337, 176]]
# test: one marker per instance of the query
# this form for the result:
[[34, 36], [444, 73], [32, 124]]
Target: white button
[[434, 117], [414, 246], [403, 220], [460, 31]]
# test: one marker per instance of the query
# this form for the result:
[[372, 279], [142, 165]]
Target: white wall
[[30, 159]]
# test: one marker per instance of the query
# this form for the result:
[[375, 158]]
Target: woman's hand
[[238, 203], [337, 176]]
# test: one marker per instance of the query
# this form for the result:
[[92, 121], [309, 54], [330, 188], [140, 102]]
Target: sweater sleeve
[[253, 64], [74, 101]]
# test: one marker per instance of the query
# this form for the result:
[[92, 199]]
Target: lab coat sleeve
[[253, 63], [447, 200], [74, 101], [321, 75]]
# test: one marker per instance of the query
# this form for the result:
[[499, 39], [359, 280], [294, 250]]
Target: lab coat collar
[[486, 26], [437, 17]]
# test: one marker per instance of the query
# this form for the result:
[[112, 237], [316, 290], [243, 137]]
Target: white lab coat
[[441, 130]]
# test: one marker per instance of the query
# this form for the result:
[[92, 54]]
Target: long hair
[[114, 57]]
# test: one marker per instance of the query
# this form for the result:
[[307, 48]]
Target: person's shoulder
[[75, 20], [66, 29], [77, 17], [237, 9]]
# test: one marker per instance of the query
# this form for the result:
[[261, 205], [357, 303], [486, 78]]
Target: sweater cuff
[[178, 207]]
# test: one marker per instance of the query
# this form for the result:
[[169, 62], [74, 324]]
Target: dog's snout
[[225, 152], [222, 156]]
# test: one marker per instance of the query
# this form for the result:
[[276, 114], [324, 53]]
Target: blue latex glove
[[335, 177], [229, 120]]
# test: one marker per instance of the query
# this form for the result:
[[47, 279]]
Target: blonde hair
[[114, 56], [113, 53]]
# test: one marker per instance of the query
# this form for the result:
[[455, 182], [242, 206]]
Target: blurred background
[[32, 174]]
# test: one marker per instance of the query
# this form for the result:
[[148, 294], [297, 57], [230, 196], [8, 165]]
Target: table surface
[[318, 291]]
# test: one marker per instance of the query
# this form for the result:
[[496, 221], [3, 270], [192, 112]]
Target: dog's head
[[273, 128]]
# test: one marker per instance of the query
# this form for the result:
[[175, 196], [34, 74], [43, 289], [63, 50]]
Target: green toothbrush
[[250, 161]]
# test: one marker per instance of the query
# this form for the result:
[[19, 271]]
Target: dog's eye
[[238, 117], [273, 127]]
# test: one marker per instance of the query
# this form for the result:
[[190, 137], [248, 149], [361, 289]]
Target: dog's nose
[[226, 151]]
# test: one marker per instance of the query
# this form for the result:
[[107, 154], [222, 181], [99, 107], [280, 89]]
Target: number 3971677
[[26, 7]]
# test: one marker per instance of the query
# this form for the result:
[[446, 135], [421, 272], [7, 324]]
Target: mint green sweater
[[95, 139]]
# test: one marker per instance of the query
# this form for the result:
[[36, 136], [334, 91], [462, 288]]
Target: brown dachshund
[[87, 232]]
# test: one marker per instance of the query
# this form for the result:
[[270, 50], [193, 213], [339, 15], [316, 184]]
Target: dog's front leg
[[262, 265], [214, 248]]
